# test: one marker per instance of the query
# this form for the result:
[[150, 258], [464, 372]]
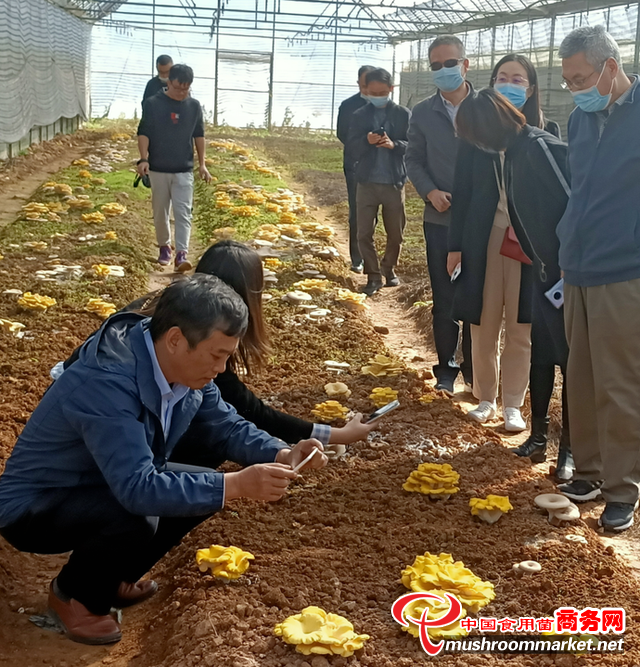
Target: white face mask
[[163, 80]]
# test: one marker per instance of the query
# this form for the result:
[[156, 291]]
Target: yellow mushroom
[[113, 208], [101, 308], [334, 389], [329, 410], [228, 563], [380, 366], [491, 508], [437, 480], [437, 609], [36, 301], [381, 396]]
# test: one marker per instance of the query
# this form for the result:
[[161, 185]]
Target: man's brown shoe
[[79, 624], [130, 594]]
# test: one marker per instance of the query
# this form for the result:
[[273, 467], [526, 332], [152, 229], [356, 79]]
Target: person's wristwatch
[[141, 161]]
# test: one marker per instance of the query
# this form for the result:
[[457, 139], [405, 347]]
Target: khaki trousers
[[603, 385], [500, 301], [172, 190], [368, 198]]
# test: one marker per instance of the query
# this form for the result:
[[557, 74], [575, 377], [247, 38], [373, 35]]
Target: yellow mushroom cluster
[[62, 189], [36, 301], [437, 480], [228, 563], [491, 508], [316, 632], [100, 307], [80, 163], [312, 285], [268, 232], [437, 609], [290, 230], [381, 366], [329, 410], [427, 398], [35, 210], [223, 200], [253, 197], [79, 203], [337, 389], [101, 270], [83, 173], [36, 245], [381, 396], [120, 136], [57, 207], [94, 218], [352, 300], [224, 233], [272, 263], [10, 326], [272, 207], [110, 236], [98, 181], [113, 208], [287, 218], [246, 211], [431, 572]]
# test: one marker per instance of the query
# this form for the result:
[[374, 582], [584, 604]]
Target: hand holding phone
[[456, 272], [381, 412]]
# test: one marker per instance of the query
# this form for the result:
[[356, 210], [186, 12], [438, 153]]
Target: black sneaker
[[392, 280], [565, 466], [357, 268], [581, 490], [446, 386], [534, 448], [617, 516], [371, 287]]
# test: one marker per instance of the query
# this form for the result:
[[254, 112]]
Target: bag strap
[[554, 166]]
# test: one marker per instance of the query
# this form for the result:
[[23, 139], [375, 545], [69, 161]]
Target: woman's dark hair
[[488, 120], [199, 306], [531, 109], [240, 266]]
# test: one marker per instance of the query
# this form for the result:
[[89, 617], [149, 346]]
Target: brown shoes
[[130, 594], [79, 624]]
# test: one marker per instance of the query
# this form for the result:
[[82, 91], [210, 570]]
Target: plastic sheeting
[[44, 66]]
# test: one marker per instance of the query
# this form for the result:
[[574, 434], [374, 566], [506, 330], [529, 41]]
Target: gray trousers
[[603, 385], [172, 190], [368, 198]]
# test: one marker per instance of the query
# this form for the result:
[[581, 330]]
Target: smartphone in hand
[[381, 412]]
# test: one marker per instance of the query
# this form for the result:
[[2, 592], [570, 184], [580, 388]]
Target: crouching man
[[103, 467]]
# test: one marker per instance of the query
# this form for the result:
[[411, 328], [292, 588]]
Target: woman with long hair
[[240, 267], [536, 184]]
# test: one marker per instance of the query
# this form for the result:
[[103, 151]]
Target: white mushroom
[[297, 298], [490, 516], [527, 567], [559, 518], [335, 451], [572, 537]]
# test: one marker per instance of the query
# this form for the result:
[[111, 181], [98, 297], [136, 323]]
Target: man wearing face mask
[[600, 256], [345, 112], [431, 159], [378, 142], [158, 83]]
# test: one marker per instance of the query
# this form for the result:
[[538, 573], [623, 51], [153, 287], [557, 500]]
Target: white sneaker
[[513, 420], [484, 412]]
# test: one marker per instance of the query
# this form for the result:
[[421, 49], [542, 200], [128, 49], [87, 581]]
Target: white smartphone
[[456, 272], [381, 412]]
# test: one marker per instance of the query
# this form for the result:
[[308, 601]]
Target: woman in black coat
[[537, 189], [480, 218]]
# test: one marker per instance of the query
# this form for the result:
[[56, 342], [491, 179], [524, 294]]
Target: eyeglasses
[[452, 62], [576, 84], [516, 80]]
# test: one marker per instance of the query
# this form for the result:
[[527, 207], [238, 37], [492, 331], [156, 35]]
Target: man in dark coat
[[378, 139], [346, 110], [159, 82]]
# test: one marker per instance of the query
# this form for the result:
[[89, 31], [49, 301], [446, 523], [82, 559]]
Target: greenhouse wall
[[44, 53]]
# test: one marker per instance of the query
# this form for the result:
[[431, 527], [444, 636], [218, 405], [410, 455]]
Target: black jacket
[[473, 210], [345, 112], [362, 122], [153, 87]]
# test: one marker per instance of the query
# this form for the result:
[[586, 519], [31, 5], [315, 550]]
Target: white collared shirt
[[452, 110], [171, 394]]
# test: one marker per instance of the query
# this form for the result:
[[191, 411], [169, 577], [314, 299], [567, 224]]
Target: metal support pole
[[493, 47], [393, 71], [335, 62], [636, 53], [273, 50], [215, 83], [552, 47], [153, 40]]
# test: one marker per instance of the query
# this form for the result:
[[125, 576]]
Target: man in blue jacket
[[93, 471], [600, 256], [431, 159]]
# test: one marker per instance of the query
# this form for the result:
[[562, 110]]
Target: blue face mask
[[378, 102], [517, 95], [364, 97], [448, 79], [591, 99]]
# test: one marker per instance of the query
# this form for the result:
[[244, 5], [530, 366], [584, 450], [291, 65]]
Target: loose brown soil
[[341, 536]]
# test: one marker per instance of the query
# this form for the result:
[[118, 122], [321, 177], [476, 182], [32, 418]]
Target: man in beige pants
[[600, 256]]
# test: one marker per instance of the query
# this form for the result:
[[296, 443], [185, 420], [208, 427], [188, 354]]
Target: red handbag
[[511, 247]]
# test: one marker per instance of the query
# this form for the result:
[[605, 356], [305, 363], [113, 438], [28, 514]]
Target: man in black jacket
[[345, 112], [378, 141], [431, 160], [164, 64]]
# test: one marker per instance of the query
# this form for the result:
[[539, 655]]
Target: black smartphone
[[381, 131], [381, 412]]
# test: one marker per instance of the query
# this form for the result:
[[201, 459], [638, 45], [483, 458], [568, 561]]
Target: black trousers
[[541, 383], [446, 331], [352, 186], [109, 545]]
